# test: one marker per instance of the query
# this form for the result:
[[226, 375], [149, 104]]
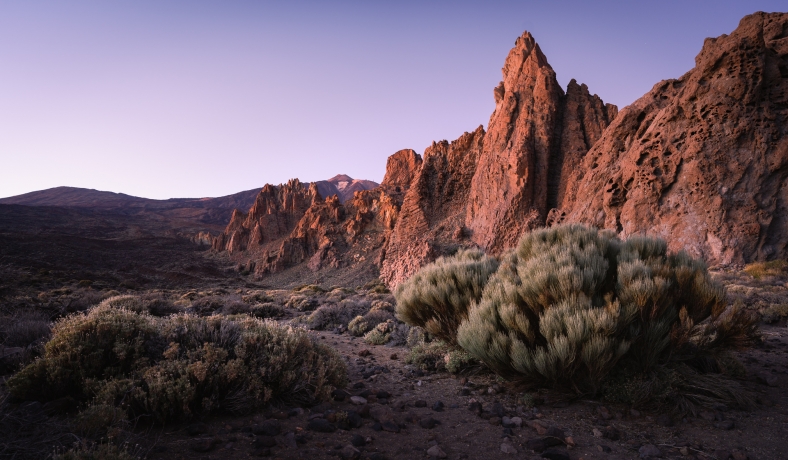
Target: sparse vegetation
[[438, 296], [178, 366], [760, 270], [571, 306]]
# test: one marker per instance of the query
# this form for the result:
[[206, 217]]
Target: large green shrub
[[437, 297], [572, 306], [180, 365]]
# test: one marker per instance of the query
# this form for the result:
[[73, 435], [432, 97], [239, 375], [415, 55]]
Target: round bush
[[181, 365], [438, 296], [572, 304]]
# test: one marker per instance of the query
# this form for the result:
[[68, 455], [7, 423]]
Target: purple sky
[[188, 99]]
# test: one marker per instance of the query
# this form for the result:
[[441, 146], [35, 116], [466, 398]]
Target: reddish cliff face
[[432, 218], [509, 190], [702, 160]]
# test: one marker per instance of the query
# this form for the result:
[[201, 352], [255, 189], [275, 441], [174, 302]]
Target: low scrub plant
[[331, 316], [760, 270], [301, 302], [438, 296], [381, 333], [572, 307], [360, 325], [178, 366]]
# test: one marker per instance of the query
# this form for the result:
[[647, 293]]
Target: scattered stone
[[517, 421], [420, 403], [612, 433], [570, 442], [428, 423], [603, 413], [465, 392], [436, 452], [358, 385], [497, 410], [649, 450], [264, 441], [321, 425], [438, 406], [540, 444], [358, 400], [507, 448], [349, 453], [597, 433], [767, 378], [339, 395], [267, 428], [506, 422], [381, 413], [555, 454], [364, 353], [603, 448], [383, 394], [390, 426], [358, 441], [296, 412], [540, 427], [279, 415], [289, 441], [475, 407], [495, 421], [377, 426], [393, 356], [555, 432]]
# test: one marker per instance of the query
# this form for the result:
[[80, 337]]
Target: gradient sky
[[197, 98]]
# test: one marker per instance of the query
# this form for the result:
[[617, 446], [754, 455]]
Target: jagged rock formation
[[432, 218], [486, 189], [702, 160]]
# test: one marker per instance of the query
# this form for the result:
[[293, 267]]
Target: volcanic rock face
[[401, 170], [343, 186], [702, 160], [512, 174], [431, 221]]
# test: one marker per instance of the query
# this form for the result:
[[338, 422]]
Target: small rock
[[358, 441], [604, 413], [507, 448], [267, 428], [358, 385], [603, 448], [358, 400], [465, 392], [428, 423], [767, 378], [393, 356], [381, 413], [436, 452], [296, 412], [495, 421], [475, 407], [382, 394], [438, 406], [349, 453], [506, 422], [649, 450], [555, 454], [420, 403], [612, 433], [364, 353], [339, 395], [377, 426], [570, 441], [289, 441], [497, 410], [597, 433], [517, 421], [390, 426], [540, 427], [321, 425], [540, 444]]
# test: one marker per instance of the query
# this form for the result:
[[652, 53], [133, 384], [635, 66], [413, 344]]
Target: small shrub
[[98, 420], [440, 356], [760, 270], [380, 334], [301, 303], [417, 336], [438, 296], [267, 310], [332, 316], [382, 305], [257, 297], [208, 305], [360, 325], [180, 365], [774, 313], [399, 336], [570, 305], [309, 287], [24, 329]]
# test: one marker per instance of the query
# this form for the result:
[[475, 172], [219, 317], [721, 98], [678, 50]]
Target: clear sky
[[198, 98]]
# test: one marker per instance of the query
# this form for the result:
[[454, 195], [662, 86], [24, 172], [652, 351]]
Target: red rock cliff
[[702, 160]]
